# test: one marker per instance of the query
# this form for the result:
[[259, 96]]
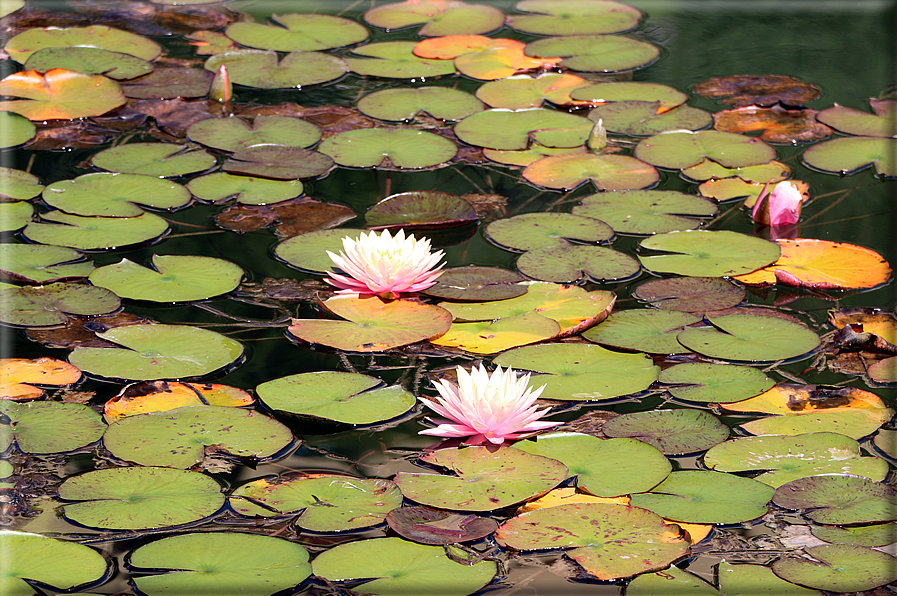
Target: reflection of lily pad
[[707, 253], [95, 233], [596, 53], [607, 172], [114, 195], [646, 211], [396, 60], [263, 69], [574, 17], [438, 17], [404, 104], [673, 432], [298, 32], [405, 148], [750, 338]]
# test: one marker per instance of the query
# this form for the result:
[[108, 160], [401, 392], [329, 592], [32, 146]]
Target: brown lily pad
[[744, 90], [779, 123], [690, 294], [80, 332], [278, 162], [170, 83], [295, 217], [432, 526]]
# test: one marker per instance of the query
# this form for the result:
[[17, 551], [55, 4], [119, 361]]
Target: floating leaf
[[432, 526], [756, 580], [539, 230], [19, 375], [750, 338], [855, 122], [670, 581], [298, 32], [15, 216], [714, 383], [774, 171], [707, 253], [596, 53], [21, 46], [449, 47], [779, 123], [405, 104], [114, 195], [42, 306], [520, 92], [680, 149], [235, 134], [513, 130], [477, 284], [163, 160], [868, 535], [642, 118], [850, 155], [528, 156], [158, 352], [646, 211], [577, 17], [404, 148], [264, 70], [601, 93], [884, 371], [396, 60], [672, 432], [839, 499], [690, 294], [89, 61], [840, 568], [59, 94], [278, 162], [421, 210], [170, 83], [349, 398], [58, 563], [572, 263], [248, 190], [39, 264], [649, 331], [607, 172], [309, 252], [95, 233], [741, 90], [50, 427], [730, 189], [161, 396], [489, 337], [438, 17], [17, 130], [500, 62]]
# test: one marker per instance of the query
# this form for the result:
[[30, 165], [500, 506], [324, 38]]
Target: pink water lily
[[487, 407], [385, 265], [781, 207]]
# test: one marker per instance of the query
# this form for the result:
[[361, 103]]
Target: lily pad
[[707, 253], [164, 160], [139, 498], [778, 123], [750, 338], [42, 306], [672, 432], [219, 562], [396, 566], [609, 541], [322, 503], [539, 230], [514, 130], [15, 216], [606, 172], [576, 17], [35, 263], [248, 190], [396, 60], [421, 210], [840, 568], [484, 479], [582, 372], [404, 148], [489, 337], [115, 195], [714, 383], [21, 46], [856, 122], [396, 105], [17, 129], [774, 171], [741, 90], [438, 17], [677, 150], [161, 396], [867, 535], [671, 581], [477, 284], [756, 580], [522, 91], [646, 211], [50, 427], [264, 70], [349, 398], [690, 294], [298, 32], [89, 61], [58, 563], [642, 119], [596, 53], [601, 93], [839, 499], [432, 526], [59, 94], [235, 134], [180, 438], [649, 331], [158, 352], [309, 251], [18, 377], [278, 162], [95, 233], [173, 278], [498, 62], [170, 82]]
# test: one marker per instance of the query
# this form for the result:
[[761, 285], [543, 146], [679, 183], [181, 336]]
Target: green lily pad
[[438, 18], [173, 278], [170, 82], [596, 53], [603, 467], [714, 383], [42, 306], [17, 184], [264, 70], [218, 563], [15, 216], [750, 338], [668, 97], [95, 233], [572, 263], [396, 60], [649, 331], [576, 17], [855, 122], [404, 148], [886, 442], [514, 130], [34, 263], [235, 134], [396, 105], [163, 160], [158, 352], [690, 294], [57, 563], [484, 478], [680, 149], [839, 499], [868, 535], [708, 253], [421, 210], [349, 398], [87, 60], [784, 458], [522, 91], [59, 94], [298, 32], [539, 230], [139, 498], [323, 503], [21, 46], [308, 252], [17, 130], [756, 580], [840, 568], [646, 211], [672, 432], [582, 372], [278, 162], [641, 118], [528, 156], [774, 171], [11, 6], [248, 190], [477, 284], [115, 195], [699, 497], [671, 581], [50, 427], [179, 438], [432, 526], [609, 541], [396, 566], [850, 155], [606, 172]]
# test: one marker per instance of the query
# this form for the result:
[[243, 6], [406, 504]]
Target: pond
[[188, 408]]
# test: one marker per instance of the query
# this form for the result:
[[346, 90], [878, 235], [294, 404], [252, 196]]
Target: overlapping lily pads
[[87, 60], [475, 284], [114, 195], [649, 331], [46, 305], [59, 94], [646, 211], [95, 233], [596, 53], [579, 17], [163, 160], [643, 118], [18, 376], [680, 149], [522, 91], [421, 210], [438, 17]]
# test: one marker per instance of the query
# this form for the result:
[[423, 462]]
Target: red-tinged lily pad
[[609, 541], [690, 294], [574, 17], [20, 47], [679, 149], [707, 253], [163, 160], [606, 172], [170, 83], [320, 503], [855, 122], [294, 218], [161, 396], [421, 210], [18, 376], [641, 91], [373, 325], [235, 134], [573, 263], [59, 94], [396, 105], [850, 155], [743, 90], [515, 130], [95, 233], [265, 70], [433, 526], [438, 17], [780, 124], [530, 231], [115, 195], [247, 190], [449, 47], [714, 383], [672, 432], [42, 306], [50, 561], [643, 118], [404, 148], [839, 499], [523, 91], [772, 172], [396, 60], [17, 130], [474, 284], [596, 53], [485, 479], [89, 61], [31, 263], [278, 162], [48, 426], [500, 63], [646, 211], [750, 338], [298, 32], [838, 568], [652, 331]]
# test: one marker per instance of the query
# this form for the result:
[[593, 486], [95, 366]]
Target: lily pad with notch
[[856, 122], [528, 156], [572, 263], [38, 264], [491, 336], [298, 32], [49, 427], [161, 396], [515, 129], [50, 561], [677, 150], [404, 148], [163, 160], [59, 94], [714, 383], [690, 294], [606, 172], [643, 118], [20, 47], [774, 171], [397, 105], [838, 568], [596, 53], [309, 251], [266, 70], [601, 93], [88, 60], [672, 432], [750, 338], [95, 233], [170, 82], [438, 17], [646, 211], [779, 123], [652, 331], [396, 60], [433, 526], [115, 195], [839, 499], [523, 91], [498, 62], [576, 17], [476, 284], [248, 190], [707, 253], [278, 162], [50, 304], [530, 231], [235, 134]]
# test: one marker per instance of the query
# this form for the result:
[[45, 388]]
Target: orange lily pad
[[780, 124], [19, 375], [60, 94], [519, 92], [449, 47], [489, 337], [161, 396], [565, 496], [822, 265], [729, 189], [881, 324], [500, 63]]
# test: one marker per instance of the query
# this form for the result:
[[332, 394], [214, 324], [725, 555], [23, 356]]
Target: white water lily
[[385, 265], [487, 407]]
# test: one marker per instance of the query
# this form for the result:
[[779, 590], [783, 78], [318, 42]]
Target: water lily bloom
[[781, 207], [487, 407], [385, 265]]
